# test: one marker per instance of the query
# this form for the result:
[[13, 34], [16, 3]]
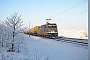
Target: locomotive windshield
[[52, 26]]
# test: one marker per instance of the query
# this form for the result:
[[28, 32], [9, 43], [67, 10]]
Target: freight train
[[48, 30]]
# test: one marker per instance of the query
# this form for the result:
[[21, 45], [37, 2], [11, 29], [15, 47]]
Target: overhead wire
[[79, 3], [74, 15]]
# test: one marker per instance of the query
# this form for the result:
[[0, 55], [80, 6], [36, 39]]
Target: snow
[[74, 33], [58, 50], [37, 48]]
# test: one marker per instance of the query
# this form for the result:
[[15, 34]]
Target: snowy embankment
[[37, 48], [55, 50]]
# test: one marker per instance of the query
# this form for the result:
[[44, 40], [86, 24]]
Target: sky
[[67, 14]]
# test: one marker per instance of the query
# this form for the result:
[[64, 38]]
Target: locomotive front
[[52, 30]]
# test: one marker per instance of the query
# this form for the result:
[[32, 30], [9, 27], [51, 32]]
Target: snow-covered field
[[37, 48], [81, 34]]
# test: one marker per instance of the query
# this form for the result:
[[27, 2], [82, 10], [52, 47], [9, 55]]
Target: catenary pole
[[88, 29], [29, 29]]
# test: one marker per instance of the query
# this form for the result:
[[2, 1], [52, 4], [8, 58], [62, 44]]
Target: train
[[48, 30]]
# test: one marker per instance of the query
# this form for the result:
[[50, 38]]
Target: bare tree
[[14, 22]]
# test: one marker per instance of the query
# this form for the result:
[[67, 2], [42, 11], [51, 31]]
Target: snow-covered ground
[[37, 48], [81, 34]]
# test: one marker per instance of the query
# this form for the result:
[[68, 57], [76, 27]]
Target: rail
[[81, 42]]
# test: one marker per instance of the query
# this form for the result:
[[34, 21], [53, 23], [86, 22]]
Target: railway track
[[79, 42]]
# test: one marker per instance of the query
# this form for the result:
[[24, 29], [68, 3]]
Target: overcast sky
[[67, 14]]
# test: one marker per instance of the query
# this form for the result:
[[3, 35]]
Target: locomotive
[[48, 30]]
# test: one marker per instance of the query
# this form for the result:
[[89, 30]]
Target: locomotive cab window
[[52, 26]]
